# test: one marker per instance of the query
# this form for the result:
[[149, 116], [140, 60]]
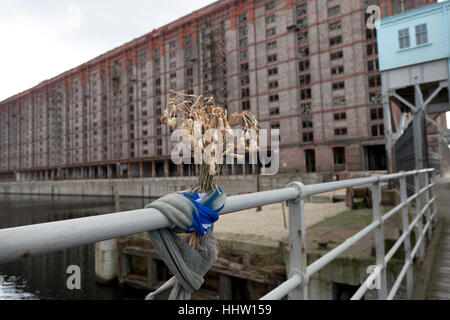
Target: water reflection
[[44, 277]]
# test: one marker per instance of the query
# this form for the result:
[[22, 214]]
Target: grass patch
[[347, 219]]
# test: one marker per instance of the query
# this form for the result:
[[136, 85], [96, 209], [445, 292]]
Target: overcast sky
[[41, 39]]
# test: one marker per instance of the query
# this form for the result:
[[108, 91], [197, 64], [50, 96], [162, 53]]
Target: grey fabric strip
[[185, 263]]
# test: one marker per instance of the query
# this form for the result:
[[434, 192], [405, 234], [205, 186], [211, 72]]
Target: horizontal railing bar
[[399, 280], [422, 236], [393, 211], [24, 241], [58, 235], [365, 286], [313, 189], [425, 208], [395, 247], [347, 244], [420, 192], [256, 199], [402, 238], [283, 289]]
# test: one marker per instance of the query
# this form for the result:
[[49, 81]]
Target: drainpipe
[[447, 39], [447, 42]]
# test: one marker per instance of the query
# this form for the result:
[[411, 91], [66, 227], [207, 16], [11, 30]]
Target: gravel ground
[[269, 223]]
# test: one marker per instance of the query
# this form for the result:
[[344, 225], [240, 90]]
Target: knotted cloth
[[188, 212]]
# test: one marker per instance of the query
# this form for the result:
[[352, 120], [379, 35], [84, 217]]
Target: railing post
[[407, 242], [420, 222], [433, 194], [427, 200], [297, 241], [379, 238]]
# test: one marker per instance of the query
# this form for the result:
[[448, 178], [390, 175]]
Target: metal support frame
[[297, 244], [419, 206], [379, 238], [419, 113], [407, 242], [427, 197], [20, 242]]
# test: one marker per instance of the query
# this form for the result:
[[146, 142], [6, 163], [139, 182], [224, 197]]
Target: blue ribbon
[[206, 216]]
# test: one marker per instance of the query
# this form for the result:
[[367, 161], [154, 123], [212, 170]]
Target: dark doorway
[[339, 159], [310, 159], [376, 157]]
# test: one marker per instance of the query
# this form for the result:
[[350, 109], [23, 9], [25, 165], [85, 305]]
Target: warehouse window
[[242, 19], [378, 130], [271, 32], [172, 44], [338, 85], [337, 70], [374, 81], [272, 71], [271, 45], [303, 52], [372, 65], [243, 31], [303, 65], [273, 84], [376, 113], [274, 111], [308, 137], [339, 101], [274, 98], [243, 43], [270, 5], [245, 80], [403, 38], [243, 55], [340, 131], [305, 108], [340, 116], [335, 41], [302, 37], [421, 34], [302, 23], [336, 55], [307, 123], [305, 94], [301, 9], [270, 19], [334, 25], [334, 11], [272, 58], [245, 105], [305, 80]]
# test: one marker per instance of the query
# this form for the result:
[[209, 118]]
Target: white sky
[[41, 39]]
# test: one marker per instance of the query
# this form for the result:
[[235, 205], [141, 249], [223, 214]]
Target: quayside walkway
[[440, 277]]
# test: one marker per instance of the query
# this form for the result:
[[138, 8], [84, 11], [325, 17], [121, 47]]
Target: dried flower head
[[197, 114]]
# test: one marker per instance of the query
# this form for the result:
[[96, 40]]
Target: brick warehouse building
[[309, 68]]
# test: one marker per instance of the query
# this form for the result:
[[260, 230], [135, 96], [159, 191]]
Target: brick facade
[[308, 68]]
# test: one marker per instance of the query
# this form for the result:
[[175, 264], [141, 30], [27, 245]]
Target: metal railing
[[24, 241]]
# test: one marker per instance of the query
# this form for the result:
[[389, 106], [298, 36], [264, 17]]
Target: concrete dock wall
[[151, 187]]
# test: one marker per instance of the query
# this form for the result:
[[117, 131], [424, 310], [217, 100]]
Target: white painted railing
[[24, 241]]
